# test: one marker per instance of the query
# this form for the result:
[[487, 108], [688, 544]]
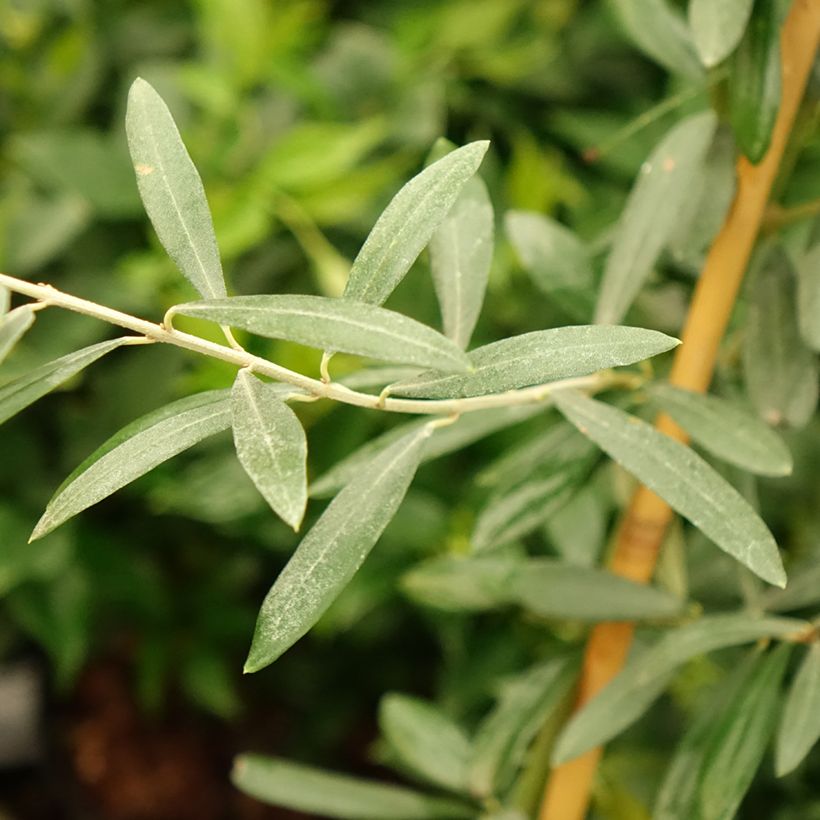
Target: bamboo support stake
[[643, 527]]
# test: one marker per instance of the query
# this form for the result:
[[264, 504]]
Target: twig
[[328, 390]]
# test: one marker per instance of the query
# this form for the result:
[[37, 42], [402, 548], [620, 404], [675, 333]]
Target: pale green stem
[[337, 392]]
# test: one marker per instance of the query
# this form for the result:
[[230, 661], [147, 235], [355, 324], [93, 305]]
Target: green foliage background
[[303, 118]]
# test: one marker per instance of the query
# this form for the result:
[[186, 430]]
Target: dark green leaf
[[408, 223], [334, 549], [682, 478], [754, 81], [172, 191], [539, 357], [336, 325], [133, 451], [303, 788]]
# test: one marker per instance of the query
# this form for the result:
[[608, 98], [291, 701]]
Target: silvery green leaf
[[271, 446], [652, 212], [703, 214], [808, 297], [5, 300], [314, 791], [552, 589], [726, 430], [426, 740], [800, 723], [171, 190], [502, 738], [556, 260], [780, 371], [133, 451], [578, 529], [539, 357], [680, 477], [643, 679], [469, 428], [459, 583], [680, 789], [408, 223], [338, 325], [517, 510], [461, 252], [740, 738], [661, 33], [334, 549], [717, 26], [25, 390], [12, 328]]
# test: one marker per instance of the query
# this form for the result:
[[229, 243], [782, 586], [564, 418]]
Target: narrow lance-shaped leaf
[[12, 328], [5, 300], [408, 223], [271, 446], [305, 789], [633, 691], [717, 26], [754, 81], [680, 789], [556, 260], [25, 390], [800, 724], [456, 583], [502, 738], [741, 737], [538, 492], [171, 190], [461, 252], [726, 430], [539, 357], [334, 549], [780, 371], [338, 325], [469, 428], [808, 297], [682, 478], [426, 740], [133, 451], [651, 213], [661, 33], [552, 589]]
